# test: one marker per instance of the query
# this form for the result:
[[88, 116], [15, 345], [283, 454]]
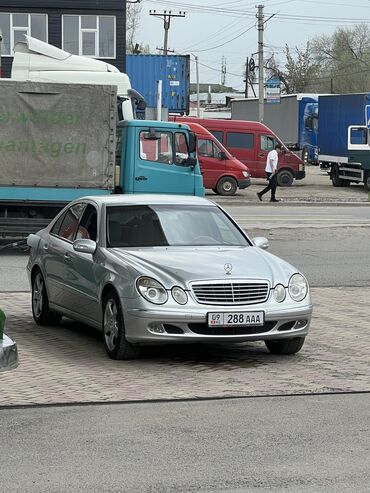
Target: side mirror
[[192, 142], [151, 134], [33, 240], [261, 242], [190, 161], [84, 246]]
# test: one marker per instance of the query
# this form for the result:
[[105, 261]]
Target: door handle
[[261, 155], [45, 247], [67, 257], [140, 178]]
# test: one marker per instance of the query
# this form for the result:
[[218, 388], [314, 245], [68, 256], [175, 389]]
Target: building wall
[[78, 7]]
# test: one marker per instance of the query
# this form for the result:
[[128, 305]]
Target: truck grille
[[231, 293]]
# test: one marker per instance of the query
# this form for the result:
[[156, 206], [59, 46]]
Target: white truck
[[37, 61]]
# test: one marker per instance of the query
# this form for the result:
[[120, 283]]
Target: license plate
[[230, 319]]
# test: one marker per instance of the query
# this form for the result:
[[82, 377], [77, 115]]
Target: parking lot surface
[[68, 364]]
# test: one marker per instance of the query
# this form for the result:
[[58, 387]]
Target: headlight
[[279, 293], [179, 295], [152, 290], [298, 287], [245, 173]]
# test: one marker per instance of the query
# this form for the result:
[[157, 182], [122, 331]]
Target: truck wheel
[[334, 176], [285, 178], [115, 341], [367, 182], [227, 186], [285, 346], [41, 312]]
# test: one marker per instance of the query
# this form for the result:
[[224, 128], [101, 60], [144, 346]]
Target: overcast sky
[[209, 26]]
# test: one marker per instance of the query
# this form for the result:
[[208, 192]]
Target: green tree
[[344, 59]]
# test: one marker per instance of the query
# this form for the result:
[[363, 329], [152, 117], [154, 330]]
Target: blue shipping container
[[173, 70], [336, 113]]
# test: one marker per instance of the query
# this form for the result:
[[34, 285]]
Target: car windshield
[[164, 225]]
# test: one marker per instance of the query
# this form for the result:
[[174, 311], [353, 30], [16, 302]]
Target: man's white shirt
[[272, 161]]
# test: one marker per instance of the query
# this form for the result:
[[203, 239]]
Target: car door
[[57, 250], [266, 143], [159, 167], [81, 268], [212, 167]]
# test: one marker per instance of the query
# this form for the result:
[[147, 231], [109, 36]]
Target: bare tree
[[298, 72], [133, 12]]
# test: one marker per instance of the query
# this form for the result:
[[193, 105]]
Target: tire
[[367, 182], [115, 342], [227, 186], [285, 178], [334, 176], [285, 346], [41, 312], [214, 190]]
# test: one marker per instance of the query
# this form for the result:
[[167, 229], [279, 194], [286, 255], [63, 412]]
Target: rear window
[[240, 140], [218, 134]]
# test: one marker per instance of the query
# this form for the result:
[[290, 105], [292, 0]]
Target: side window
[[358, 135], [69, 226], [88, 226], [181, 147], [240, 140], [56, 227], [218, 134], [157, 148], [205, 148], [267, 143]]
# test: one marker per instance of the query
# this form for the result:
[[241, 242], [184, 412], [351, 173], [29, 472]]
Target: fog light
[[157, 328], [300, 324]]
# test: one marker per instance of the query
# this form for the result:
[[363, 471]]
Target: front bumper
[[244, 183], [180, 326], [299, 175]]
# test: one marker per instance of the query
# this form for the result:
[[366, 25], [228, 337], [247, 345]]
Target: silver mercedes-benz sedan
[[154, 269]]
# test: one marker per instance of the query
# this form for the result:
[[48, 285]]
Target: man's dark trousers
[[271, 186]]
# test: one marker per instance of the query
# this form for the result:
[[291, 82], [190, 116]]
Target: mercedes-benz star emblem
[[228, 268]]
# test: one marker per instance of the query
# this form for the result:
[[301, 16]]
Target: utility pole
[[261, 85], [197, 76], [166, 16], [1, 39], [246, 78]]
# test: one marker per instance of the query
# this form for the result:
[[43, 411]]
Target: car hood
[[181, 265]]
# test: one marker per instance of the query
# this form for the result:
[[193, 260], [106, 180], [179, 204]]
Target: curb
[[284, 203], [8, 354]]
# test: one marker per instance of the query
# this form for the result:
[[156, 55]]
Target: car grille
[[231, 293]]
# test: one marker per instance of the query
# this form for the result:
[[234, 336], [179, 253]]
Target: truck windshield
[[172, 225]]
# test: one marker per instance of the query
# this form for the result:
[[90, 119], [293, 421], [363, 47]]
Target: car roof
[[224, 123], [145, 199]]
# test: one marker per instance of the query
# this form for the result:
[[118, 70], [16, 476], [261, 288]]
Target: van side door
[[241, 144]]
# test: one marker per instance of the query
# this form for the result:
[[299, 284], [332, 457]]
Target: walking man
[[271, 173]]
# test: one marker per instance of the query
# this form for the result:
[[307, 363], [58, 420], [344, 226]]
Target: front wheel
[[367, 182], [227, 186], [285, 346], [115, 341], [285, 178], [335, 177], [41, 312]]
